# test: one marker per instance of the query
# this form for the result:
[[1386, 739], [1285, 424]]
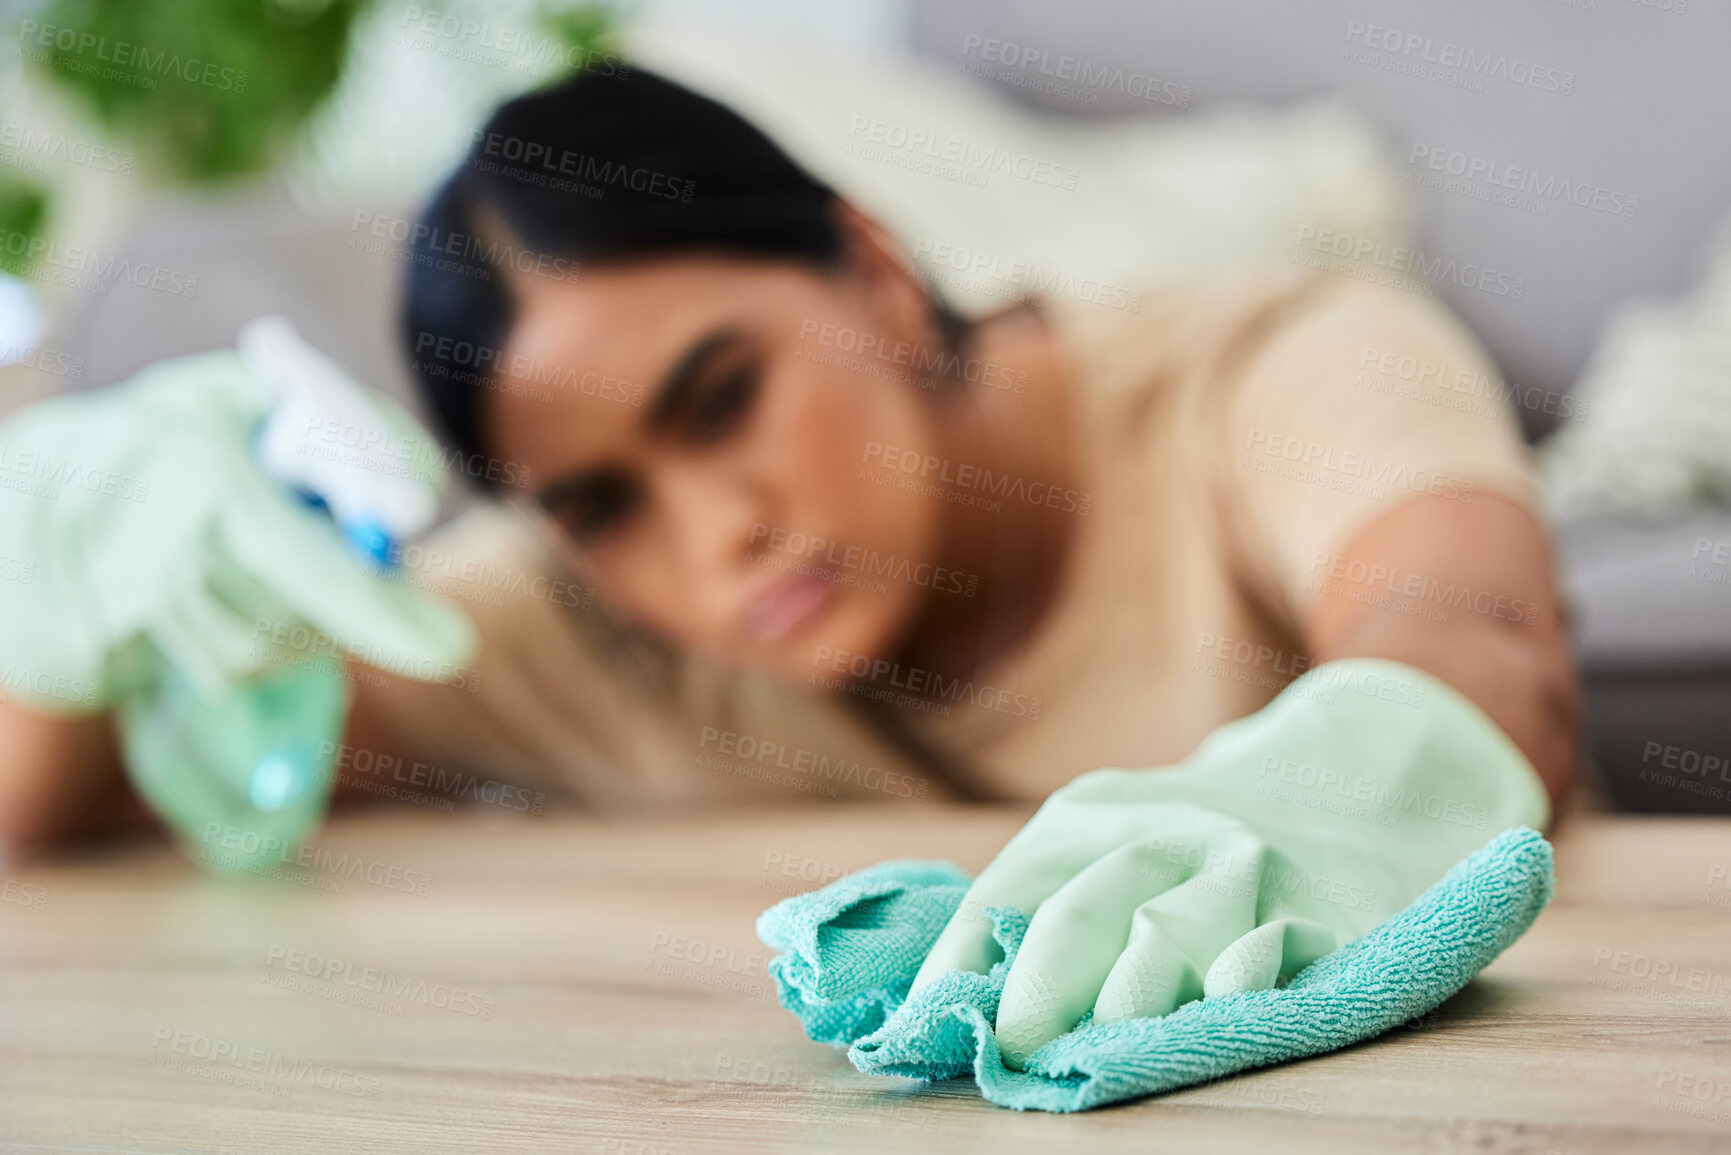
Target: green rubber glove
[[1286, 834], [138, 512]]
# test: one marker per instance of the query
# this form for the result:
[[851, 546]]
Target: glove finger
[[1079, 937], [203, 639], [217, 624], [1174, 936], [1153, 976], [1072, 942], [1268, 956], [1023, 881], [298, 554]]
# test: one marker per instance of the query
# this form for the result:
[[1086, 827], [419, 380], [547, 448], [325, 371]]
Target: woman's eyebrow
[[682, 378]]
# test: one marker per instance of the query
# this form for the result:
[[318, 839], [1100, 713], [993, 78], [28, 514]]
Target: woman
[[779, 525], [846, 528]]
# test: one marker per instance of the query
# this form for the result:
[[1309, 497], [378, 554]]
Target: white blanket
[[1656, 437], [982, 190]]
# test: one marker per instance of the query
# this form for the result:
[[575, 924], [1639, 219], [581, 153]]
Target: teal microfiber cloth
[[851, 950]]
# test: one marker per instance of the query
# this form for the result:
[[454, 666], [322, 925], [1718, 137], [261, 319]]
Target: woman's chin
[[838, 642]]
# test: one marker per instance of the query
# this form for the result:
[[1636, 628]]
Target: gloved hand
[[1284, 835], [139, 512]]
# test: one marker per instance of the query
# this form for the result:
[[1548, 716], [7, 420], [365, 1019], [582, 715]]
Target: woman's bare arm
[[60, 777], [1490, 623]]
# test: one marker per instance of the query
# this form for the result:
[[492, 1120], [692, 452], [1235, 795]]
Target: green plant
[[585, 28], [23, 213], [207, 87]]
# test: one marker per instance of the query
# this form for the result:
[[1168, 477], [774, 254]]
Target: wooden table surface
[[566, 984]]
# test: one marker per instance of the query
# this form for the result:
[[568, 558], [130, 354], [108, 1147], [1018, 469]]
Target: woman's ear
[[887, 275]]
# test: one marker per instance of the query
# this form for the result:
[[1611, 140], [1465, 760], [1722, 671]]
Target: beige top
[[1235, 439]]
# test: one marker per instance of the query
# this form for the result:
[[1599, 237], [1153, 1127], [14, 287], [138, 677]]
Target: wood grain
[[571, 984]]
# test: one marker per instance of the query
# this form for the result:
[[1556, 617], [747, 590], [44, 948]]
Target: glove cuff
[[1526, 802]]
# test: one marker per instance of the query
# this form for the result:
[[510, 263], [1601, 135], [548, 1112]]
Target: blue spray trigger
[[312, 499], [369, 538]]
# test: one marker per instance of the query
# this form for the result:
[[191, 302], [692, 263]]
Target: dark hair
[[597, 166]]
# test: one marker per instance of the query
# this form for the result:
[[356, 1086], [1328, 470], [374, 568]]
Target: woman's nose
[[712, 518]]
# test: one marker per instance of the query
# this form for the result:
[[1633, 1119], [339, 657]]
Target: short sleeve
[[1358, 399], [540, 705]]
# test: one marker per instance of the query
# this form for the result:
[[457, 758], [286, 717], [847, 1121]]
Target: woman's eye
[[719, 410], [599, 505]]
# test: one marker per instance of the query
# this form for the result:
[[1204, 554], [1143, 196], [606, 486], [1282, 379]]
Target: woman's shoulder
[[1174, 338], [1198, 333]]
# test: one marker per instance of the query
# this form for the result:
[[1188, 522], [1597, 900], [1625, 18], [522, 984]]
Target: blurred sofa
[[1625, 97]]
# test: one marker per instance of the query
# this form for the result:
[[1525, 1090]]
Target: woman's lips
[[785, 606]]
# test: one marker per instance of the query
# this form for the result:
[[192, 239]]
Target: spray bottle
[[242, 774]]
